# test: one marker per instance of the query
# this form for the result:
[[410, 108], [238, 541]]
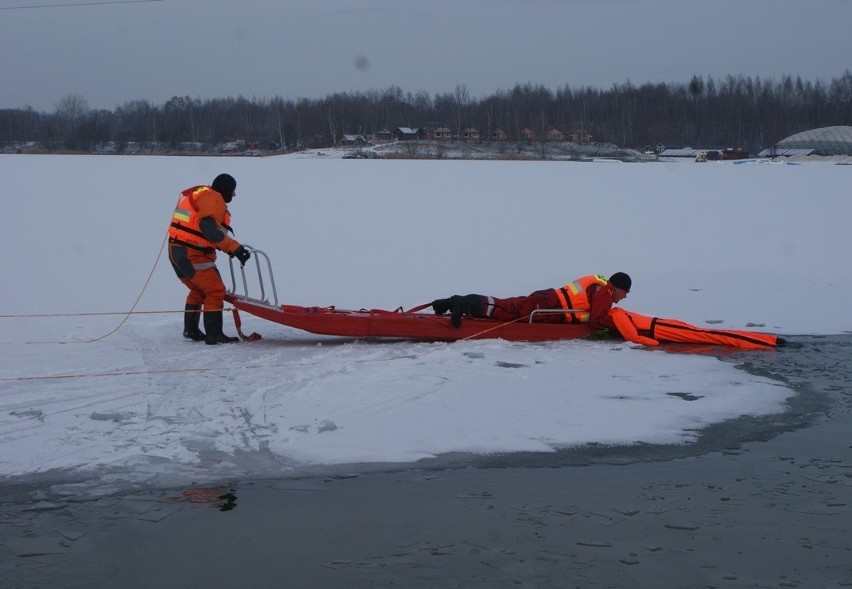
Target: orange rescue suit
[[199, 227], [649, 331], [575, 295]]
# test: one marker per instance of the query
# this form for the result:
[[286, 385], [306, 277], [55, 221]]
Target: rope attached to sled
[[125, 314], [124, 319], [99, 313], [478, 333]]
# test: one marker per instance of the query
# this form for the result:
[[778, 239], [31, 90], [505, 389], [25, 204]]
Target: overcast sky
[[114, 51]]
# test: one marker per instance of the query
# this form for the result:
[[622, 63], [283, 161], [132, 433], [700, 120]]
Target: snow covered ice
[[749, 246]]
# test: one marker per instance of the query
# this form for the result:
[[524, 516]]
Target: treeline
[[736, 111]]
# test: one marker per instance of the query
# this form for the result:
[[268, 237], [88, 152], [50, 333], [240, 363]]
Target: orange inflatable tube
[[647, 330]]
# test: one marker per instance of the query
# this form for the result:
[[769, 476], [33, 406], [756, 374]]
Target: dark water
[[817, 368], [754, 502]]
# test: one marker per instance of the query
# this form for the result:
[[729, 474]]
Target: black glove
[[242, 254]]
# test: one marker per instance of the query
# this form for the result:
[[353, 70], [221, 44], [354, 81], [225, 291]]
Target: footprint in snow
[[114, 417], [510, 365], [686, 396], [34, 413]]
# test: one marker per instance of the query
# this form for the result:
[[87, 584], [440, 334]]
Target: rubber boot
[[469, 304], [213, 327], [191, 318], [441, 306]]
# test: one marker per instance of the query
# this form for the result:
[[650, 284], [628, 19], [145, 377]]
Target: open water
[[532, 520]]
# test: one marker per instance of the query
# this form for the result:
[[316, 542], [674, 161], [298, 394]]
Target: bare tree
[[71, 111], [461, 99], [489, 113], [281, 112]]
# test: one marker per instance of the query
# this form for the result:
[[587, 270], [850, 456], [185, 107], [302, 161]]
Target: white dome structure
[[824, 141]]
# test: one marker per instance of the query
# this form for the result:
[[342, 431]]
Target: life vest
[[185, 229], [574, 295]]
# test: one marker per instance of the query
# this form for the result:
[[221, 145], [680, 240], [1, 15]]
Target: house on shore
[[353, 140], [554, 134], [408, 133], [440, 133], [581, 135], [470, 133], [527, 134], [499, 134]]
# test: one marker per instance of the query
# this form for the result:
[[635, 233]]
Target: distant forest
[[736, 111]]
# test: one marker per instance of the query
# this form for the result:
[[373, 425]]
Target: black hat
[[225, 185], [621, 280]]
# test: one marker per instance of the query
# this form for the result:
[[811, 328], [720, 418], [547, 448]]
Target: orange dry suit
[[199, 227], [650, 331], [575, 295]]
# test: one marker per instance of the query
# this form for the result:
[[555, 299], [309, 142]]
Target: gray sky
[[114, 51]]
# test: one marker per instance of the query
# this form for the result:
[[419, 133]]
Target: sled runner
[[420, 323]]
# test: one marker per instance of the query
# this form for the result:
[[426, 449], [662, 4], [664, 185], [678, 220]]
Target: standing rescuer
[[199, 227]]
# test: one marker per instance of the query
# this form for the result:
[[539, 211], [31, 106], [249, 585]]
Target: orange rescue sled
[[414, 324]]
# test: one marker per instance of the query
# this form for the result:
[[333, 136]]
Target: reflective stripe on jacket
[[575, 295], [185, 228]]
